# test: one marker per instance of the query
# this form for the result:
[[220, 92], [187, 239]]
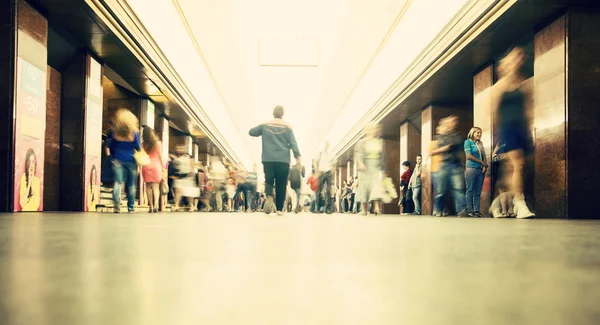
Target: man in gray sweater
[[277, 141]]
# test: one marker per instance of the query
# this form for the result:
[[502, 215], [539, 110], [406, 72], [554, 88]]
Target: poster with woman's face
[[30, 118], [92, 184], [93, 135]]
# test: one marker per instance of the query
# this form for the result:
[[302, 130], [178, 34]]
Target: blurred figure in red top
[[404, 181], [313, 182]]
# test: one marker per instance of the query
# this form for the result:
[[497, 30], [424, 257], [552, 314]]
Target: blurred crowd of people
[[456, 166]]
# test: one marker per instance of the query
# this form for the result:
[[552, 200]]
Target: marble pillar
[[81, 134], [392, 165], [430, 118], [483, 118], [23, 62], [52, 141], [549, 128]]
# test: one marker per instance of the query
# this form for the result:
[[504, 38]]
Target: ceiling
[[347, 34], [453, 83], [73, 28]]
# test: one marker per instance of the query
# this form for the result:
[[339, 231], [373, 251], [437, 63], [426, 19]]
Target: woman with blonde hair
[[370, 157], [122, 142], [475, 170], [152, 172]]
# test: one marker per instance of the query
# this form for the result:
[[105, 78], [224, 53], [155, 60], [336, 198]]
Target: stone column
[[190, 145], [583, 97], [81, 134], [430, 118], [52, 141], [147, 113], [392, 166], [482, 117], [196, 153], [162, 127], [410, 144], [566, 94], [348, 169]]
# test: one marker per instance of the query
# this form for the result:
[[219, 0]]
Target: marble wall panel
[[52, 146], [392, 152], [550, 188], [7, 82], [32, 22], [482, 117], [583, 84], [72, 131], [427, 135]]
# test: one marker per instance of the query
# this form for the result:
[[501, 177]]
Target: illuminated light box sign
[[30, 127]]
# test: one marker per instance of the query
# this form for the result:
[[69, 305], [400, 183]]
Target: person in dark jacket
[[277, 140]]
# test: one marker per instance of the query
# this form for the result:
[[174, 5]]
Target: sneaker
[[496, 213], [463, 214], [117, 210], [269, 205], [279, 213], [521, 209]]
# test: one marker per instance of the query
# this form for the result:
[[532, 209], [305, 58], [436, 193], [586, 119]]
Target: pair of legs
[[451, 174], [276, 174], [416, 197], [179, 196], [124, 172], [376, 204], [323, 194], [153, 194], [247, 189], [298, 206], [474, 182]]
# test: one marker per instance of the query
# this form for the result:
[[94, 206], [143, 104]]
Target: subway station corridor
[[223, 268], [278, 162]]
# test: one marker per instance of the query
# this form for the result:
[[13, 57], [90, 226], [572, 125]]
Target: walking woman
[[152, 173], [370, 157], [123, 140], [277, 141], [512, 119], [476, 167]]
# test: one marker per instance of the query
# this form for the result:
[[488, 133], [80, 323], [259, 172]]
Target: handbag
[[164, 187], [141, 158]]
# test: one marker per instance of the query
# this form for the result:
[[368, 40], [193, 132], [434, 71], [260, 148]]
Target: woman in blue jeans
[[476, 167], [123, 140]]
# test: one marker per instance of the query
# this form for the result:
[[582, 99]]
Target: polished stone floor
[[183, 268]]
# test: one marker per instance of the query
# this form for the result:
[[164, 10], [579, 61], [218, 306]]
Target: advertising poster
[[30, 130], [93, 135]]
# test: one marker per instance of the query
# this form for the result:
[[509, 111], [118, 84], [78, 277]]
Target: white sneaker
[[269, 205], [279, 213], [521, 210], [495, 213]]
